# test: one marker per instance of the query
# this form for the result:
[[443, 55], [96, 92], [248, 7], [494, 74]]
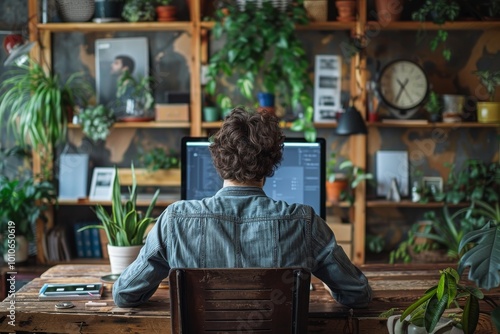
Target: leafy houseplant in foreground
[[428, 310]]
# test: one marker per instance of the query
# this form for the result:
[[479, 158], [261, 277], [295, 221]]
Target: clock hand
[[401, 88]]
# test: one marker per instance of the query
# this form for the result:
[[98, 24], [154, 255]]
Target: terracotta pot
[[334, 190], [346, 9], [389, 10], [166, 13]]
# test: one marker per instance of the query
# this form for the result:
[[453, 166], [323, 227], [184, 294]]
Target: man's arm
[[348, 285], [139, 281]]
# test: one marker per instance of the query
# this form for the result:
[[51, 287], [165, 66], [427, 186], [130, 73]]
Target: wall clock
[[403, 87]]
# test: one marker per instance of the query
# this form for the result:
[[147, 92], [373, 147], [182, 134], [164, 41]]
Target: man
[[240, 226], [109, 97], [122, 63]]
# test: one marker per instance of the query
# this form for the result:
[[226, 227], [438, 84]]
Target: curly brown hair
[[249, 145]]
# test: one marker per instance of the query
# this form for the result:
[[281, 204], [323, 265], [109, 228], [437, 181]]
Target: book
[[71, 291]]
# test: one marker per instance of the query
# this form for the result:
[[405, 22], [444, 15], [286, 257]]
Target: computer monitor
[[299, 179]]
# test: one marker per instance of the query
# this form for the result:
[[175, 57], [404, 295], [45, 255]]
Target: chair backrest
[[239, 300]]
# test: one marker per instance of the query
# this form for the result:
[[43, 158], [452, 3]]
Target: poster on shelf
[[113, 56], [327, 86], [392, 165], [73, 172], [101, 188]]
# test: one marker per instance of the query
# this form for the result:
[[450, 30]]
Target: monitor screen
[[299, 179]]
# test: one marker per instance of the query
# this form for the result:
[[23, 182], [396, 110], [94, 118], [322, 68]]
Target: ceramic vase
[[388, 10], [346, 10], [120, 257], [166, 13], [334, 190], [76, 10]]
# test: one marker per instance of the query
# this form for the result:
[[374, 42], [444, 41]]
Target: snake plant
[[126, 225]]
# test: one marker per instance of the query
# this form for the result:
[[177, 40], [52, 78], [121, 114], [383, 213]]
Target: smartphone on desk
[[72, 291]]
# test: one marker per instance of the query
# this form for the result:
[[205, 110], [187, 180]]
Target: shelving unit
[[199, 31]]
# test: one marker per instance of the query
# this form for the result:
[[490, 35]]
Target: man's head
[[122, 63], [248, 147]]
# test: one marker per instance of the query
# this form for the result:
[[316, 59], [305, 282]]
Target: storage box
[[172, 112]]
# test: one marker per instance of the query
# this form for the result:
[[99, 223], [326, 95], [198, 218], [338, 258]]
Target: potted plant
[[434, 107], [36, 106], [488, 111], [158, 158], [336, 182], [428, 311], [439, 12], [434, 239], [261, 46], [96, 121], [126, 226], [136, 95], [23, 201], [165, 11], [138, 11], [342, 182]]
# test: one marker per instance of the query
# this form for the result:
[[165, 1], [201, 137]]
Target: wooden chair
[[242, 300]]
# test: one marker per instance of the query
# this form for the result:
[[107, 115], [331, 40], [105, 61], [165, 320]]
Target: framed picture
[[101, 188], [113, 56], [327, 88], [432, 183], [392, 166]]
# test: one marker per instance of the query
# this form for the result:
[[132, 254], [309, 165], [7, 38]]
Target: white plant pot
[[121, 256], [18, 254], [444, 326]]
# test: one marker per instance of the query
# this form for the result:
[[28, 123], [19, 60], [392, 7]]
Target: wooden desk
[[393, 286]]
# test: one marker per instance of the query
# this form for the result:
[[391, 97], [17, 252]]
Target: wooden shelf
[[314, 26], [116, 26], [416, 25], [143, 125], [87, 202], [433, 125], [410, 204]]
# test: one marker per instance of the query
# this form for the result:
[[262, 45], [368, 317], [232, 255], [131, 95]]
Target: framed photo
[[113, 56], [327, 88], [392, 166], [101, 188], [432, 183]]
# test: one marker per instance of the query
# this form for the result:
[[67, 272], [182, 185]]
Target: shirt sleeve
[[348, 285], [139, 280]]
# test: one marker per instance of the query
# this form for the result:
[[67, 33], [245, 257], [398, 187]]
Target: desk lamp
[[351, 123]]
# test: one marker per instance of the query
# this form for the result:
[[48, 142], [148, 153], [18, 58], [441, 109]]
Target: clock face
[[403, 85]]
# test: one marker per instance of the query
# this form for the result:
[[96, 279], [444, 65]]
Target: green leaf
[[470, 316], [428, 295], [434, 311]]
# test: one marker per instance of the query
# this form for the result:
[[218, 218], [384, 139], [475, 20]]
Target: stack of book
[[88, 241]]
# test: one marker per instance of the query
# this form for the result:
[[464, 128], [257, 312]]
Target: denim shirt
[[240, 227]]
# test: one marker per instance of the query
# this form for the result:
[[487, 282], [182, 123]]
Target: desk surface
[[394, 286]]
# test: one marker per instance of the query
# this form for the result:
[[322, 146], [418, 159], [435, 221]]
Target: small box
[[342, 231], [178, 112]]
